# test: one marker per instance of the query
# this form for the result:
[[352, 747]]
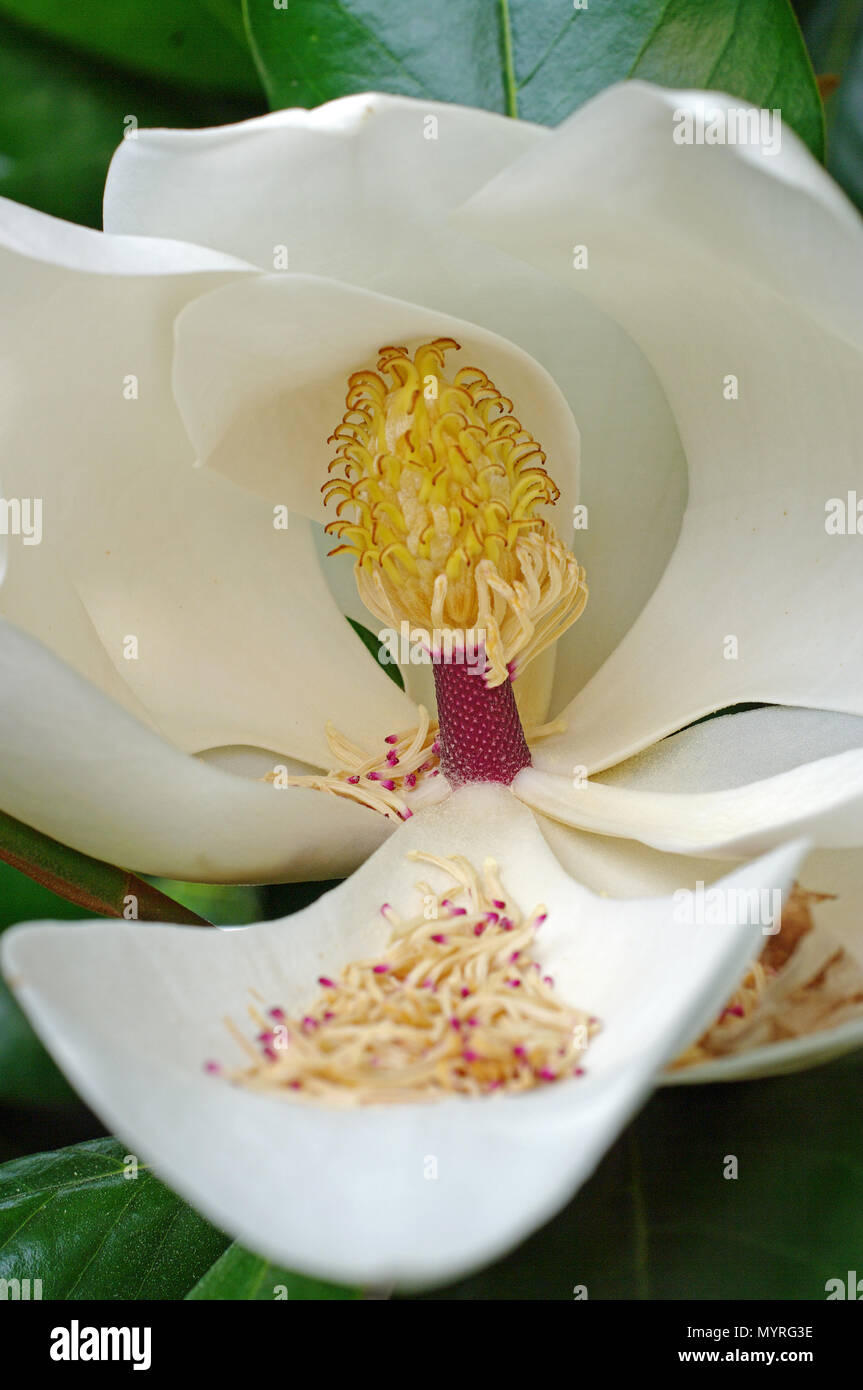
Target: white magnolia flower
[[696, 310]]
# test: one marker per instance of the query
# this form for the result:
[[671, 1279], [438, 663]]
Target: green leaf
[[62, 117], [75, 1220], [537, 59], [238, 1274], [102, 889], [373, 643], [198, 44], [834, 33], [659, 1220]]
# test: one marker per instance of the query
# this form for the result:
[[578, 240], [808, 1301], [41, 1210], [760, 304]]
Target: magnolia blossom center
[[438, 491]]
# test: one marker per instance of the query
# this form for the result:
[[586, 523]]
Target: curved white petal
[[238, 639], [81, 769], [261, 371], [132, 1013], [629, 869], [822, 800], [357, 191], [704, 253], [839, 923]]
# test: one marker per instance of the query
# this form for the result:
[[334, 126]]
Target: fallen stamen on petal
[[391, 1030]]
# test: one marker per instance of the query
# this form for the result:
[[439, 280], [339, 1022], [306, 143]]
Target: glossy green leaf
[[660, 1220], [62, 117], [238, 1274], [78, 1220], [537, 59], [196, 44]]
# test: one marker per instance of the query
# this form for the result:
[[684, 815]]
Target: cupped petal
[[132, 1015], [261, 372], [283, 188], [704, 253], [173, 590], [78, 767]]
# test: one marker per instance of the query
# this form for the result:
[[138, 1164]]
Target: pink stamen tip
[[326, 982], [514, 957], [406, 814], [455, 1022], [464, 991], [380, 969], [309, 1022], [578, 1071], [493, 1085], [392, 758], [492, 917], [548, 980], [212, 1066], [547, 1074], [428, 984], [385, 908], [496, 902], [514, 984], [329, 1014], [541, 918], [439, 938], [353, 781], [736, 1010], [593, 1019], [479, 929], [506, 923], [373, 776], [470, 1056], [411, 779], [264, 1037], [391, 738], [436, 772], [270, 1054], [519, 1051], [296, 1085], [435, 748], [458, 912], [388, 784], [473, 1023], [276, 1013]]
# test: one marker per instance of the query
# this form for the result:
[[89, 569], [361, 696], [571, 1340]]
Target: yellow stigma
[[436, 487]]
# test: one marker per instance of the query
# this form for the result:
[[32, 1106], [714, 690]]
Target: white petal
[[628, 869], [238, 638], [132, 1012], [839, 921], [261, 373], [822, 800], [704, 254], [81, 769], [298, 180]]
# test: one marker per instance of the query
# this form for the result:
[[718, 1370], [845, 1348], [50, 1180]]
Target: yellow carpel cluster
[[457, 1005], [436, 487]]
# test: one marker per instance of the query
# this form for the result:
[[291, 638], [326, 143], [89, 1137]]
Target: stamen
[[393, 1030], [437, 486]]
